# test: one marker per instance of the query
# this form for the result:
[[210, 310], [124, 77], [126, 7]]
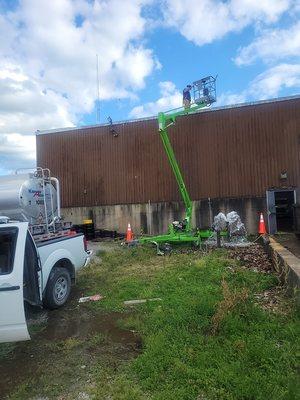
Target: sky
[[148, 51]]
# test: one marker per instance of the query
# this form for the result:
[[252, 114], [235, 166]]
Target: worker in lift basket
[[186, 98]]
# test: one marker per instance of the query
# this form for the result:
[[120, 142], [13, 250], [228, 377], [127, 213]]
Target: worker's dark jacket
[[186, 94]]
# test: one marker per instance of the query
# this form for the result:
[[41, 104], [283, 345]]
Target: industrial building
[[243, 157]]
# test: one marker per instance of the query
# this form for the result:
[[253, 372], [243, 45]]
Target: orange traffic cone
[[129, 235], [262, 227]]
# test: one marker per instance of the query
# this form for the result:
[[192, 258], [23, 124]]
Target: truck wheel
[[58, 288]]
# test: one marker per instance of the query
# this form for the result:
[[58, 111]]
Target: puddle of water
[[69, 322], [86, 324]]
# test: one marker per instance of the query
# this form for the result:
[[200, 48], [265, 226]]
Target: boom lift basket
[[205, 90]]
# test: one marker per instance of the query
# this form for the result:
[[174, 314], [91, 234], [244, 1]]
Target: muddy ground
[[55, 334]]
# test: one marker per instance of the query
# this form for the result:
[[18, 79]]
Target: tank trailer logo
[[36, 193]]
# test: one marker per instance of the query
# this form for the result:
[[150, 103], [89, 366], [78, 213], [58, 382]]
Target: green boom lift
[[204, 94]]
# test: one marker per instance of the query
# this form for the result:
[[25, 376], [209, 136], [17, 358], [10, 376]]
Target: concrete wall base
[[154, 218]]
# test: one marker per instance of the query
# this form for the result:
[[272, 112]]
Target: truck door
[[32, 292], [12, 249]]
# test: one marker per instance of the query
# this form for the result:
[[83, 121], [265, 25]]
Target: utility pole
[[98, 92]]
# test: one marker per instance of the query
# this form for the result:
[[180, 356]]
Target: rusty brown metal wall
[[234, 152]]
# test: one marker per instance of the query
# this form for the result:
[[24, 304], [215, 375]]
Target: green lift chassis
[[204, 94]]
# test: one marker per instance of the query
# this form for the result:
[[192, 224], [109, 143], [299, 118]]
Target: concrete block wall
[[154, 218]]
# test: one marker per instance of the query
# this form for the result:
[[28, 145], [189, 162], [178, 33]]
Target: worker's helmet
[[189, 86]]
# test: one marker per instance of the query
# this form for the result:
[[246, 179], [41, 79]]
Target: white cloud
[[205, 21], [267, 11], [229, 98], [271, 45], [25, 107], [48, 64], [65, 55], [271, 82], [266, 85], [13, 147], [170, 98]]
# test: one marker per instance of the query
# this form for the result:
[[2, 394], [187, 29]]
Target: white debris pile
[[233, 225], [220, 222]]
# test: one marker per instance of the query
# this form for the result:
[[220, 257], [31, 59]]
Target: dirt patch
[[274, 300], [252, 257]]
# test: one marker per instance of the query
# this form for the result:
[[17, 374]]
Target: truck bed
[[69, 248]]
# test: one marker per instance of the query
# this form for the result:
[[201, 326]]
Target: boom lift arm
[[165, 121], [204, 94]]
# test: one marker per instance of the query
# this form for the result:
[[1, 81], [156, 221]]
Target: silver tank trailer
[[23, 198]]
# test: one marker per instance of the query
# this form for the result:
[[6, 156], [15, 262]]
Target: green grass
[[208, 339], [196, 343]]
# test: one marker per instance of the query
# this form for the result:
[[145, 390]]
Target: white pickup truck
[[39, 252], [38, 273]]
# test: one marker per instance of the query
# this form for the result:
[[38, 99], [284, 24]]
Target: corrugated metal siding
[[234, 152]]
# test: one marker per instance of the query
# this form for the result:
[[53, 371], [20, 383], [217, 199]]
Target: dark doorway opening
[[284, 210], [280, 205]]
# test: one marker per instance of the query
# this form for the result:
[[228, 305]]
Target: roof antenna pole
[[98, 92]]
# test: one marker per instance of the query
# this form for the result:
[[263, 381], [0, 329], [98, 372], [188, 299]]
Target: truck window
[[8, 240]]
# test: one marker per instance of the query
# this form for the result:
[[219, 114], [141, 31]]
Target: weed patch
[[230, 301]]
